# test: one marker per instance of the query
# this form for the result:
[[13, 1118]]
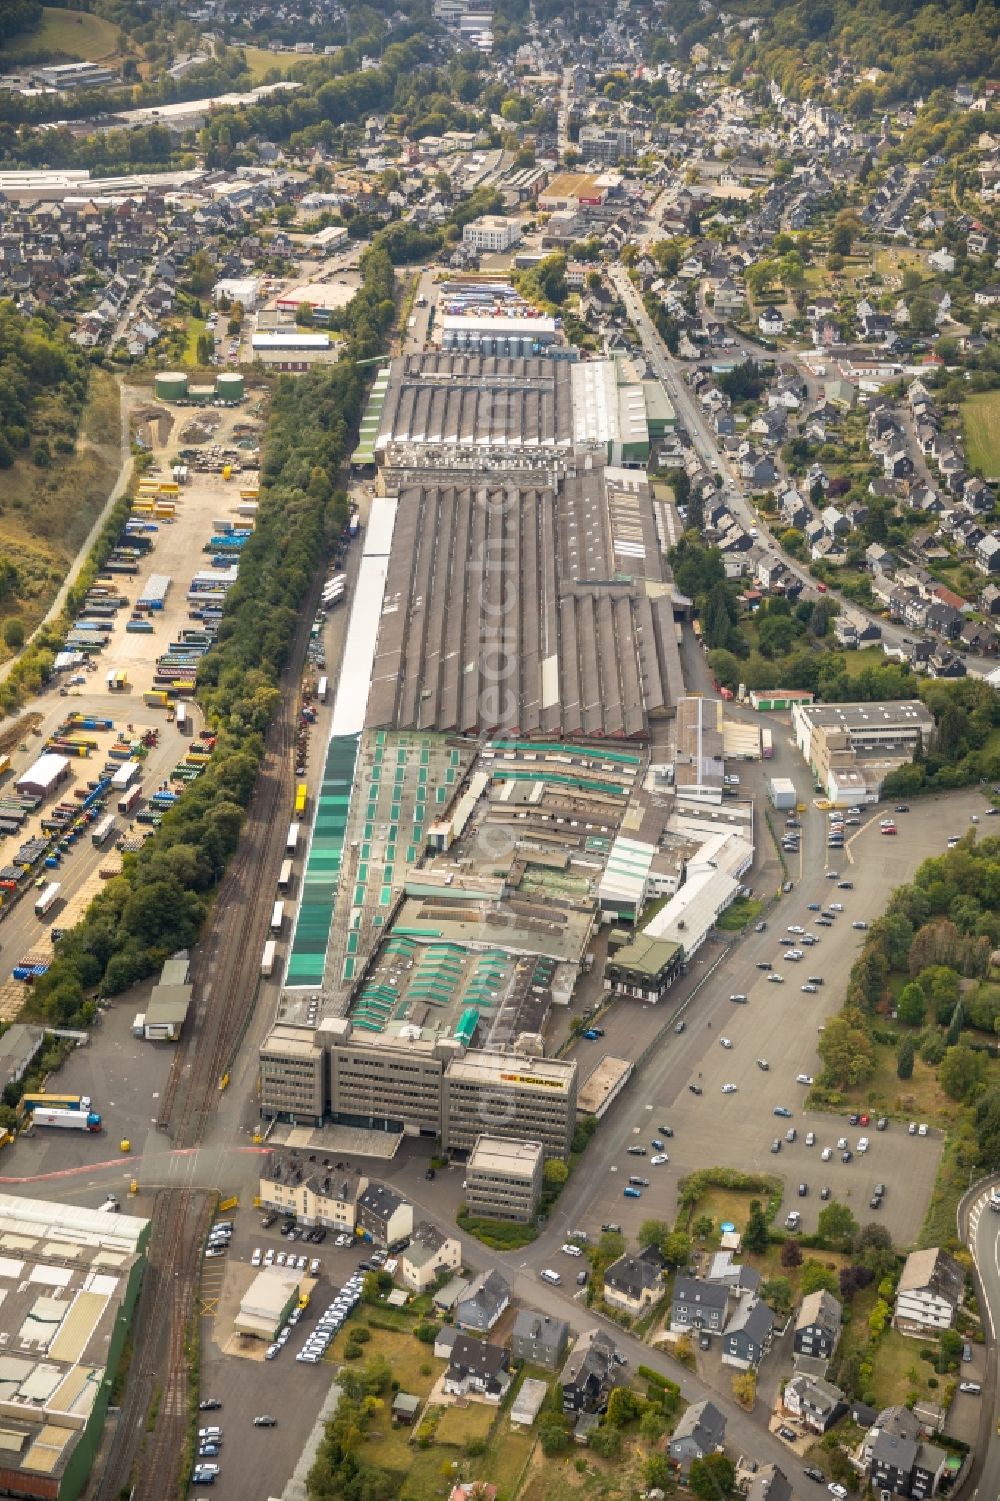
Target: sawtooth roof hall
[[525, 594]]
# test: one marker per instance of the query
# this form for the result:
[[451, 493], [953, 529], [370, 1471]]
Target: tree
[[841, 239], [847, 1051], [745, 1388], [904, 1059], [676, 1248], [777, 1293], [837, 1225], [555, 1172], [756, 1236], [911, 1007], [702, 1227], [657, 1472], [553, 1434], [955, 1025], [712, 1478], [13, 633], [963, 1072], [624, 1407], [791, 1254], [816, 1278], [653, 1232]]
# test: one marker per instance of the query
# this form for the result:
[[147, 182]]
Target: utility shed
[[266, 1303], [781, 791], [166, 1012], [44, 776]]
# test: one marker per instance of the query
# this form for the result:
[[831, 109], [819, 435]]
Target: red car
[[865, 1120]]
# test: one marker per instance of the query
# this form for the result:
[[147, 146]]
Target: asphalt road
[[984, 1242], [669, 371]]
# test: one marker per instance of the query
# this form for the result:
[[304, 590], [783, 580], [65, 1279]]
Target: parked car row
[[331, 1321]]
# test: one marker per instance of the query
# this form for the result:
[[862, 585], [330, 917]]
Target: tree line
[[162, 897]]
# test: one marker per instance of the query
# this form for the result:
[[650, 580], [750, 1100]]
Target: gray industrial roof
[[454, 399], [513, 606]]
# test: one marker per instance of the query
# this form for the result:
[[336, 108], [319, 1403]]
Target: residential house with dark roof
[[477, 1369], [929, 1292], [814, 1401], [590, 1373], [384, 1215], [539, 1339], [635, 1283], [769, 1484], [817, 1328], [697, 1304], [748, 1335], [483, 1302], [701, 1430]]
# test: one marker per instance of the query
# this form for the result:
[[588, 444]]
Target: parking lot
[[258, 1461], [781, 1024]]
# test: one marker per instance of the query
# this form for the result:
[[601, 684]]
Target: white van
[[548, 1275]]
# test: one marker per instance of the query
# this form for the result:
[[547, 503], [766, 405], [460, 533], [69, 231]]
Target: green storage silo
[[171, 385], [229, 386]]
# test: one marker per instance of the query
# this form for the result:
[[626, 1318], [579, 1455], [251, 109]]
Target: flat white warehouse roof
[[290, 341]]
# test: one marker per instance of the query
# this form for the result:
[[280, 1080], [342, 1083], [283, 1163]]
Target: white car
[[773, 979], [269, 1256], [921, 1130], [729, 1089], [841, 1143], [725, 1042], [803, 1078], [810, 1138], [281, 1258], [570, 1250], [257, 1257], [793, 956], [863, 1144], [826, 1154], [659, 1159], [795, 928], [836, 906], [314, 1267], [837, 1490], [809, 989]]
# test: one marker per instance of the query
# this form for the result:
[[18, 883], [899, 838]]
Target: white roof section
[[366, 615], [182, 110], [70, 1222], [500, 325], [627, 871], [692, 911], [46, 770], [595, 401]]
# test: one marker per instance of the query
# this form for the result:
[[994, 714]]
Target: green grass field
[[981, 420], [260, 62], [73, 34], [856, 661]]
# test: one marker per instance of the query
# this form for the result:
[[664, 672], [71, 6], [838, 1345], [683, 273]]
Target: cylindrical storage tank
[[229, 387], [170, 385]]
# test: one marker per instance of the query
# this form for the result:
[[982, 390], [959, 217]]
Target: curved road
[[669, 372], [983, 1239]]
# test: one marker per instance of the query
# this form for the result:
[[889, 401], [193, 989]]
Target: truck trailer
[[48, 898], [68, 1120]]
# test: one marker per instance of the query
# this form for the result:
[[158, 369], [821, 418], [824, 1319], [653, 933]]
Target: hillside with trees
[[888, 52]]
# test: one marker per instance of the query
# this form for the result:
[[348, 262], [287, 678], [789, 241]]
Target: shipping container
[[131, 800], [29, 1102], [292, 842], [48, 899], [321, 691], [183, 719], [285, 875], [277, 917], [103, 831], [766, 744], [301, 798], [156, 700], [267, 958], [126, 774]]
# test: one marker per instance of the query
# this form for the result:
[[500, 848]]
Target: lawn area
[[898, 1372], [260, 62], [744, 910], [195, 328], [405, 1354], [856, 661], [75, 35], [981, 421], [725, 1204], [920, 1096], [460, 1425]]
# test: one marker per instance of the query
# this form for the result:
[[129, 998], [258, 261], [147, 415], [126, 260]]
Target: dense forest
[[38, 366], [910, 46], [928, 961], [17, 16], [159, 902]]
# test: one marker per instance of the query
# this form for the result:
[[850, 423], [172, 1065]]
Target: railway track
[[224, 976], [179, 1220]]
